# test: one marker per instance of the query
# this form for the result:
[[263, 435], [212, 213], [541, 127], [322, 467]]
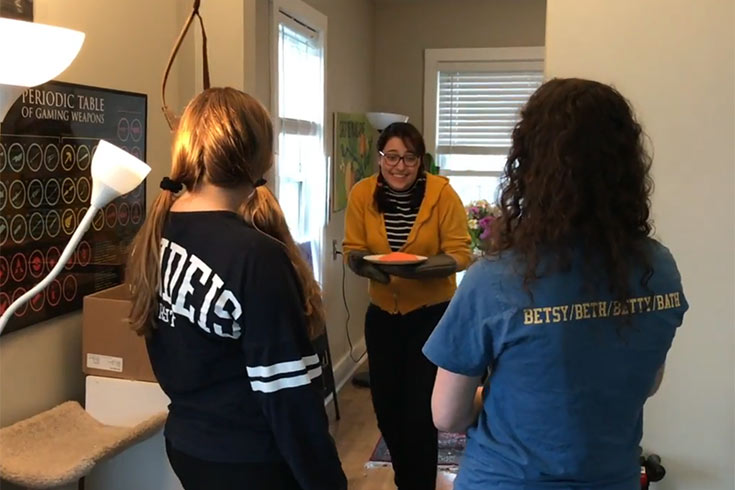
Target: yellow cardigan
[[440, 228]]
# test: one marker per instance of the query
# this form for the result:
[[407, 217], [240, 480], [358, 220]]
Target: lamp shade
[[381, 120], [114, 172], [33, 53]]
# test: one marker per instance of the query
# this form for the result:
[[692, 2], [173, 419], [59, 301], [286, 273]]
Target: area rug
[[451, 449]]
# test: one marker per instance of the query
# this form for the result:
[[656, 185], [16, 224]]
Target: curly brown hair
[[577, 175]]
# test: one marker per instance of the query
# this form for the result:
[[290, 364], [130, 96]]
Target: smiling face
[[399, 165]]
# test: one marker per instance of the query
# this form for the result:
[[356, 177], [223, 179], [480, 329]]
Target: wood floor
[[356, 435]]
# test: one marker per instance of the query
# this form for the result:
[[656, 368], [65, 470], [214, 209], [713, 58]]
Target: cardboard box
[[109, 347]]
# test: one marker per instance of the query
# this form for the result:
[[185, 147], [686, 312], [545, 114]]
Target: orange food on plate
[[397, 257]]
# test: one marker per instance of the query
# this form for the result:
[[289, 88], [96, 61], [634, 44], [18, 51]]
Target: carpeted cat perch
[[62, 445]]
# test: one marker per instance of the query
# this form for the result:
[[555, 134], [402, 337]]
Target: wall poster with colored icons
[[47, 142], [355, 155]]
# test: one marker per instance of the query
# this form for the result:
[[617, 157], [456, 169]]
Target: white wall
[[674, 59], [126, 48], [231, 41]]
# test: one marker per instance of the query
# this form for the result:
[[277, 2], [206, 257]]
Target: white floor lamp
[[32, 54]]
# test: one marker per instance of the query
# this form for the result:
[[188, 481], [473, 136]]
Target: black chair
[[321, 346]]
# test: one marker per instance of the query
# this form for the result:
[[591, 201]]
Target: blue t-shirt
[[563, 406]]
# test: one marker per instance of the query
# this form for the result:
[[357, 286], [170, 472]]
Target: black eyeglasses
[[392, 159]]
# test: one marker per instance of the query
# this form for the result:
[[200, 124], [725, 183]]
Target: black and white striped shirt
[[401, 217]]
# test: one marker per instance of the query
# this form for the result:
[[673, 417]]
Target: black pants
[[401, 382], [197, 474]]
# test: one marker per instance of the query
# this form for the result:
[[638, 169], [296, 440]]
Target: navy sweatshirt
[[231, 351]]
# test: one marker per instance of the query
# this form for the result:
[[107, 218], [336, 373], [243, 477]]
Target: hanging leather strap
[[171, 118]]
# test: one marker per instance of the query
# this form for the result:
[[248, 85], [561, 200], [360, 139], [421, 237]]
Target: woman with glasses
[[404, 209]]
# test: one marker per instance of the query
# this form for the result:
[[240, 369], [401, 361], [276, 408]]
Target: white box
[[125, 402]]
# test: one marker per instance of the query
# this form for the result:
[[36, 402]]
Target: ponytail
[[143, 268], [263, 213], [311, 293]]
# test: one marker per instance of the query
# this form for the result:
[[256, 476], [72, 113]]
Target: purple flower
[[485, 223]]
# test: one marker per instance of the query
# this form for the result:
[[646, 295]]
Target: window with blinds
[[477, 110], [472, 101]]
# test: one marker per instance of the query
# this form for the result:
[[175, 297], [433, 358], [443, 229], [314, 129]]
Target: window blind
[[477, 110]]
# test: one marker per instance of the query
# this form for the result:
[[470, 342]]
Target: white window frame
[[296, 9], [467, 58], [309, 16]]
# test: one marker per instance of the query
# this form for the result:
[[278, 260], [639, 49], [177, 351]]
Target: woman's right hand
[[361, 267]]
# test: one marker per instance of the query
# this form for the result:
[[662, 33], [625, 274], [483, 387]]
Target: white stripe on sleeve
[[280, 384], [288, 382], [282, 367]]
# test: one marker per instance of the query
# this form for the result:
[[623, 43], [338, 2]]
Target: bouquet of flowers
[[480, 217]]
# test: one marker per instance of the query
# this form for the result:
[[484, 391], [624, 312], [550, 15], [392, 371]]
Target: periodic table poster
[[47, 142]]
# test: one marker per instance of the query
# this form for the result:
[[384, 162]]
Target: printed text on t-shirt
[[600, 309]]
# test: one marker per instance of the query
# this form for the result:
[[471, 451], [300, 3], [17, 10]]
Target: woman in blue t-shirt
[[572, 310]]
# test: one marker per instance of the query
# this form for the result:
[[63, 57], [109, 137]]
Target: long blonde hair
[[224, 138], [264, 213]]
